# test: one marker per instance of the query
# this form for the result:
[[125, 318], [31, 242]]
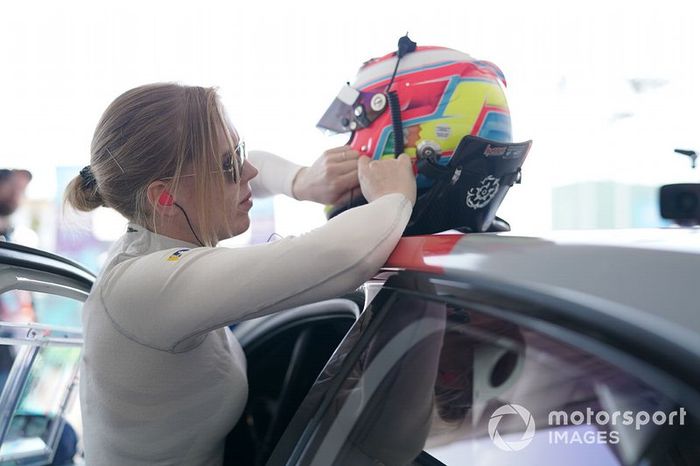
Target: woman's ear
[[159, 198]]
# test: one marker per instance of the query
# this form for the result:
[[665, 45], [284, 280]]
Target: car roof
[[650, 277]]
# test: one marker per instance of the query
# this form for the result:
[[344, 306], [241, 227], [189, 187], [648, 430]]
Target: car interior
[[286, 352]]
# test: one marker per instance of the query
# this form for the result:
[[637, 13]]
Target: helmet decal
[[467, 106], [480, 196]]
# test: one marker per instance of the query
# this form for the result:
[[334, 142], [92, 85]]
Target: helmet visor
[[352, 109]]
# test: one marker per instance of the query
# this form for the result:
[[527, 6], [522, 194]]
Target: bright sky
[[279, 64]]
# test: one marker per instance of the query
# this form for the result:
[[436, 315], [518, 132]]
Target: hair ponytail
[[82, 196]]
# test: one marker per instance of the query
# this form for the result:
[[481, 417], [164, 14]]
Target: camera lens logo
[[528, 435]]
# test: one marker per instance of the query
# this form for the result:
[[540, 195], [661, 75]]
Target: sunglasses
[[231, 165]]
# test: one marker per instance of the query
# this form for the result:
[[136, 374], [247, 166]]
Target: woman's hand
[[330, 180], [385, 176]]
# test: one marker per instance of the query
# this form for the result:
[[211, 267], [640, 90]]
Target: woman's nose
[[249, 171]]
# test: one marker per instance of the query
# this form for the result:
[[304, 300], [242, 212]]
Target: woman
[[162, 378]]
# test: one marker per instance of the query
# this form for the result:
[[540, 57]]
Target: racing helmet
[[425, 101]]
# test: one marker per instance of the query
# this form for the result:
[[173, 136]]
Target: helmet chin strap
[[406, 46], [189, 224]]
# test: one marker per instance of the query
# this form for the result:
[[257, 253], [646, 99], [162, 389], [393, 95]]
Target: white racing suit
[[163, 380]]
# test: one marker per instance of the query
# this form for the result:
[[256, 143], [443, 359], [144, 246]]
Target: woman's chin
[[239, 227], [242, 225]]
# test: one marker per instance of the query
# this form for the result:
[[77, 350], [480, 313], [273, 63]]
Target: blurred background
[[605, 90]]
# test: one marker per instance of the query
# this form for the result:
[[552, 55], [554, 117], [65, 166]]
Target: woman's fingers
[[347, 181], [380, 177]]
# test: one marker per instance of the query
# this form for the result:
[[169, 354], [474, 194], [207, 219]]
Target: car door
[[439, 371], [41, 297]]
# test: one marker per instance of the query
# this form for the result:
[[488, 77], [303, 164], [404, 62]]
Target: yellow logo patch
[[174, 257]]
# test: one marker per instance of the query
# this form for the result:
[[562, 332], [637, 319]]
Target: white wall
[[278, 65]]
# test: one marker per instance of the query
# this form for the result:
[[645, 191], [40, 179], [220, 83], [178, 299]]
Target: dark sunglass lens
[[227, 166], [227, 162]]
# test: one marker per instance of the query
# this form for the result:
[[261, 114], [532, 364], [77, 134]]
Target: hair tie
[[88, 177]]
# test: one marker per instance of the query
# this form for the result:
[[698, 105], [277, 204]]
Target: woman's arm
[[171, 305], [276, 175], [331, 179]]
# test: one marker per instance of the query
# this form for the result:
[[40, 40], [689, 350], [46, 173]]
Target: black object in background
[[681, 203], [690, 153]]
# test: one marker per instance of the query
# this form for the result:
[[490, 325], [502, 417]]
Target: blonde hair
[[150, 133]]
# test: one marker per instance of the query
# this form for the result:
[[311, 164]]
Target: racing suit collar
[[136, 233]]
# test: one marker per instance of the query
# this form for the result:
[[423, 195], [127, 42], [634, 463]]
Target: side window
[[40, 344], [441, 381]]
